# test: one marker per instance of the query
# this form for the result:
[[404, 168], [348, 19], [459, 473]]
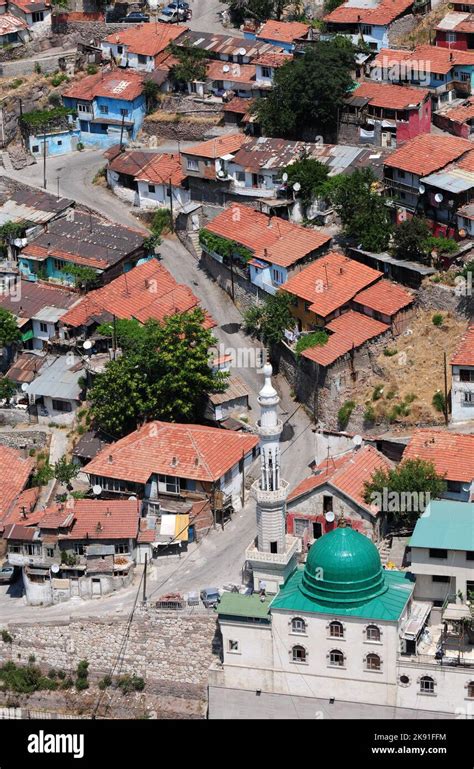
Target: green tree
[[259, 10], [362, 211], [9, 331], [331, 5], [410, 240], [403, 487], [44, 473], [308, 91], [311, 175], [85, 277], [268, 321], [192, 63], [163, 373], [150, 92], [7, 388], [65, 471]]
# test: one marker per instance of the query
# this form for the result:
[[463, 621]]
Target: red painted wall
[[460, 44], [326, 527], [419, 122]]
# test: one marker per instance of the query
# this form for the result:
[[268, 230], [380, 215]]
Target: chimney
[[108, 513], [174, 461], [451, 57], [111, 459]]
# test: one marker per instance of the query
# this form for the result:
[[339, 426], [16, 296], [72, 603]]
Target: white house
[[462, 380], [35, 13]]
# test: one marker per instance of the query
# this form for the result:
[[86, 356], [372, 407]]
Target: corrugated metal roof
[[450, 181], [59, 380]]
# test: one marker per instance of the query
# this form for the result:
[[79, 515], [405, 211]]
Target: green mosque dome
[[343, 569]]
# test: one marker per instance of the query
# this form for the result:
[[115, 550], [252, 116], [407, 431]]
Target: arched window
[[336, 658], [427, 685], [336, 629], [298, 654], [373, 633], [373, 662], [470, 690], [298, 625]]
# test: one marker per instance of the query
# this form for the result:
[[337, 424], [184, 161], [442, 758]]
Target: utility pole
[[232, 275], [446, 416], [121, 132], [243, 479], [144, 578], [44, 158], [171, 205], [58, 185]]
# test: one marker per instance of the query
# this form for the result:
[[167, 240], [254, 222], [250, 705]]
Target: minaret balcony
[[266, 430], [262, 495], [292, 546]]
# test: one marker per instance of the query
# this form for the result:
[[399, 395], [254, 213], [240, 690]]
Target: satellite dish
[[242, 51], [225, 68], [96, 490], [24, 387], [87, 344], [462, 233], [132, 499], [285, 177], [438, 197], [55, 568], [297, 186], [422, 189], [329, 516], [357, 440]]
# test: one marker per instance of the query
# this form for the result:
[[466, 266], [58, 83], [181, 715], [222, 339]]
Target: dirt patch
[[409, 372]]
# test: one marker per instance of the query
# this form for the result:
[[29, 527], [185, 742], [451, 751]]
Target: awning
[[27, 335], [417, 620]]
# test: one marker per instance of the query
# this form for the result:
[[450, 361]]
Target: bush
[[67, 683], [389, 352], [92, 69], [82, 684], [439, 402], [344, 413], [52, 674], [437, 319], [105, 682], [314, 339], [58, 79], [16, 83], [31, 659], [82, 669], [61, 674], [80, 146], [6, 637], [38, 68], [369, 414], [377, 393], [129, 684]]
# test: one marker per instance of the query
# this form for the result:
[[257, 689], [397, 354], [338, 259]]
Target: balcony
[[396, 185], [279, 495], [252, 192], [292, 546]]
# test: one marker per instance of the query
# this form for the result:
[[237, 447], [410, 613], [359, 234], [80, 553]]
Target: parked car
[[172, 14], [210, 597], [7, 574], [136, 17]]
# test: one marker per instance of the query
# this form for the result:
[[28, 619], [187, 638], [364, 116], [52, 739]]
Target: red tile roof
[[235, 73], [117, 84], [390, 96], [21, 511], [129, 162], [95, 519], [30, 6], [330, 282], [451, 453], [9, 23], [15, 471], [385, 297], [282, 31], [216, 148], [461, 114], [273, 59], [427, 153], [238, 105], [147, 291], [380, 15], [346, 473], [350, 330], [183, 451], [425, 58], [147, 39], [464, 355], [272, 239], [162, 169]]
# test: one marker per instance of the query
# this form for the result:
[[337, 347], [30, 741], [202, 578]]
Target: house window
[[120, 49], [79, 549], [44, 328], [470, 690], [468, 398], [83, 108], [192, 164], [240, 176], [401, 174], [58, 264], [299, 526], [464, 77], [266, 72], [60, 141], [298, 654], [450, 37], [373, 662], [466, 375], [62, 406], [14, 549], [469, 555], [142, 59], [373, 633], [169, 484], [366, 29], [336, 630], [50, 552], [228, 477], [427, 685], [32, 549], [327, 503], [35, 148], [336, 658], [454, 486], [104, 109], [277, 277], [298, 625], [37, 16], [440, 578], [124, 112], [121, 548], [151, 188], [438, 553], [233, 646]]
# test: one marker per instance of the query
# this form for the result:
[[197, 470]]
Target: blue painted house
[[57, 142], [110, 107], [366, 21]]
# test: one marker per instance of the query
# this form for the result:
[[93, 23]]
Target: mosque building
[[339, 636]]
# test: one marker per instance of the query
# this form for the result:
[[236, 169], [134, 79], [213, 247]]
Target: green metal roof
[[387, 606], [343, 569], [236, 605], [445, 525]]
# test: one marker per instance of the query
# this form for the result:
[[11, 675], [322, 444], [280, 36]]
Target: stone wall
[[245, 293], [34, 439], [163, 647], [401, 27], [437, 296]]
